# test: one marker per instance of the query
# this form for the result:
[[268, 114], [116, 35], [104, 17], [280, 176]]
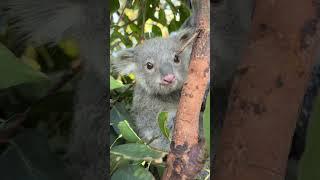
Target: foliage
[[36, 90]]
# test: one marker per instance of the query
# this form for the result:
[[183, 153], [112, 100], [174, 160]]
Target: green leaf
[[124, 38], [138, 152], [184, 13], [135, 28], [309, 165], [117, 162], [132, 172], [115, 139], [115, 5], [115, 84], [150, 11], [172, 7], [162, 17], [156, 30], [118, 113], [127, 132], [206, 123], [160, 168], [162, 121], [154, 3], [127, 41], [13, 72], [173, 26]]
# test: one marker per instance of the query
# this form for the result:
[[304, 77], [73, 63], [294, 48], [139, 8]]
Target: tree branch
[[184, 160]]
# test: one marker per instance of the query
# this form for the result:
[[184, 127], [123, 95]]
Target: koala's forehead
[[157, 46]]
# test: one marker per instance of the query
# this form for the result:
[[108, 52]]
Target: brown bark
[[183, 161], [268, 90]]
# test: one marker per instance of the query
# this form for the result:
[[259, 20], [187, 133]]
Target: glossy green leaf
[[127, 132], [162, 121]]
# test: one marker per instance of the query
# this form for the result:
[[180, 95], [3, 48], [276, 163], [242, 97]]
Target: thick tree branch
[[268, 90], [184, 159]]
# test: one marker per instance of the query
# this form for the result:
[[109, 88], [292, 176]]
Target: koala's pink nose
[[168, 79]]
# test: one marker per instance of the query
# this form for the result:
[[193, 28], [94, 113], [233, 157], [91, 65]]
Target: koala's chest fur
[[155, 103], [145, 110]]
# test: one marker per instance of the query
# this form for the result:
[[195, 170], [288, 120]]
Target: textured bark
[[268, 90], [184, 158]]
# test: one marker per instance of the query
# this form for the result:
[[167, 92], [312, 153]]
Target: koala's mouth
[[168, 80], [164, 83]]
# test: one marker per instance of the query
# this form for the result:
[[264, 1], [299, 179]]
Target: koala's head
[[158, 68]]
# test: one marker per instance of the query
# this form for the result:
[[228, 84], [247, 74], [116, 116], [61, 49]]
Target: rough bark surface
[[184, 159], [268, 90]]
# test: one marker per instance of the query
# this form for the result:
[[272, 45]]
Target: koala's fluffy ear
[[184, 35], [124, 61]]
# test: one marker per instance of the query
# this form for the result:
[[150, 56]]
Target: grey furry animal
[[160, 74]]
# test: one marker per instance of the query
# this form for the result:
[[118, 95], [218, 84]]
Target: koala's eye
[[149, 65], [176, 59]]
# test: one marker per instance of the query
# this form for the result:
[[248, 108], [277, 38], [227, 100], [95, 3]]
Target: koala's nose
[[169, 78], [165, 69]]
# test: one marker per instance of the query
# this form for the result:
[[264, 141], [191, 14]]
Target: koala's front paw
[[161, 143], [155, 140], [147, 135]]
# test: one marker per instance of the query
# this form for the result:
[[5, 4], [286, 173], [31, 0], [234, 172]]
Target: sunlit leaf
[[115, 84]]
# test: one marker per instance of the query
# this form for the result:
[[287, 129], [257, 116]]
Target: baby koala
[[160, 68]]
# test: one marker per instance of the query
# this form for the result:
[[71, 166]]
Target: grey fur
[[151, 98]]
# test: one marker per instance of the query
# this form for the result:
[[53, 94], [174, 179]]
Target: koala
[[160, 74]]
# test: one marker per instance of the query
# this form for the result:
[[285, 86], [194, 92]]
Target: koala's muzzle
[[167, 76]]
